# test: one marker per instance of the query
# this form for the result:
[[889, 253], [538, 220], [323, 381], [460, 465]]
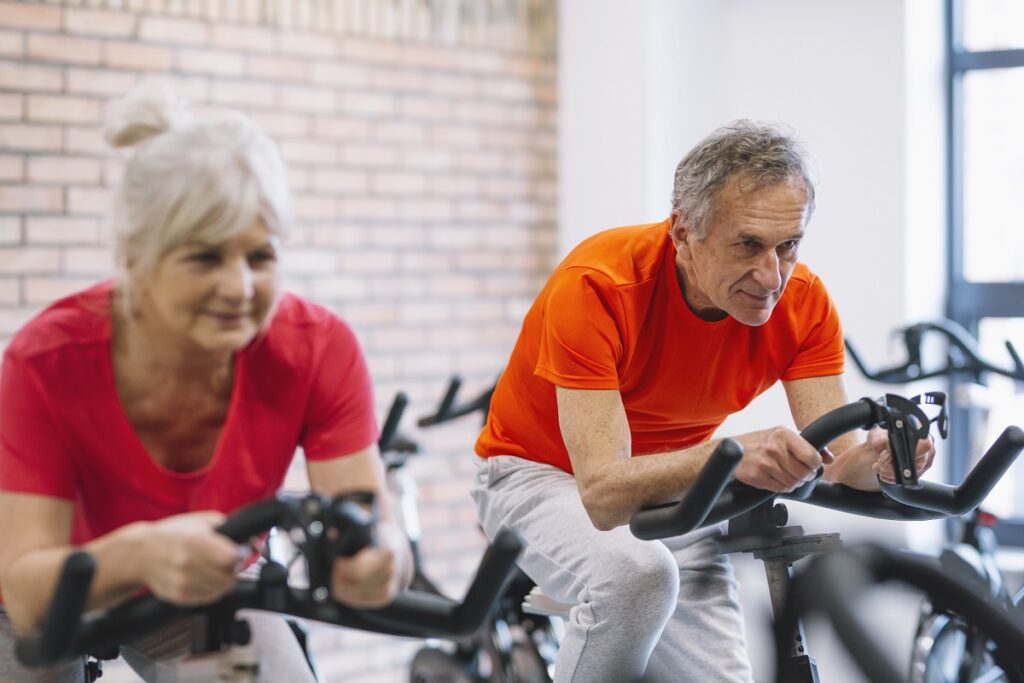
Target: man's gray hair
[[757, 154]]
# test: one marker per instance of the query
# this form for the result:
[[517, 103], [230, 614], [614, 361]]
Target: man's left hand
[[883, 465]]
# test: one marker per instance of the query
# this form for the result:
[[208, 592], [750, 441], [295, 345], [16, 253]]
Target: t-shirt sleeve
[[822, 351], [339, 416], [34, 455], [581, 340]]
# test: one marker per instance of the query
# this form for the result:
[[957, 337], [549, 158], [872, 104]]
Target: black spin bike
[[950, 647], [511, 646]]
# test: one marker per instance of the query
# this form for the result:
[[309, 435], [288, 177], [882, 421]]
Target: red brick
[[99, 23], [426, 108], [400, 131], [10, 229], [174, 31], [277, 69], [397, 183], [217, 62], [31, 138], [99, 81], [380, 51], [61, 230], [85, 141], [17, 76], [341, 128], [92, 261], [31, 198], [193, 88], [343, 181], [374, 156], [308, 152], [340, 73], [304, 98], [45, 290], [64, 49], [66, 170], [92, 201], [11, 106], [10, 291], [243, 38], [12, 167], [249, 93], [29, 15], [55, 108], [128, 55], [281, 125], [292, 42], [366, 103], [12, 44]]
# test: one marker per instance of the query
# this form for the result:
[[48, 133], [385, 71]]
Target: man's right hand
[[185, 561], [778, 460]]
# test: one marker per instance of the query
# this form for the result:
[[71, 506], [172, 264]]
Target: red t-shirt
[[63, 432], [612, 316]]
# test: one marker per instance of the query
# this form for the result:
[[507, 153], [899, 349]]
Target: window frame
[[968, 302]]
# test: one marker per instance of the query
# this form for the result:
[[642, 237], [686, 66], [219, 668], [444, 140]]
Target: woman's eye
[[263, 257], [205, 257]]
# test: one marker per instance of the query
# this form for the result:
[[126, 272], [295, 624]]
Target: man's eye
[[789, 246]]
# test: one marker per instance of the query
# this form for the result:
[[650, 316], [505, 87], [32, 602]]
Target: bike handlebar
[[964, 358], [929, 501], [447, 410], [67, 633]]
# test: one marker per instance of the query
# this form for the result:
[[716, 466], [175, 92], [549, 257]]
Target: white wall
[[640, 82]]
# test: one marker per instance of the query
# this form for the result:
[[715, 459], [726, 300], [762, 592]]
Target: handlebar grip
[[690, 513], [426, 615], [394, 416], [958, 500], [254, 519], [60, 628]]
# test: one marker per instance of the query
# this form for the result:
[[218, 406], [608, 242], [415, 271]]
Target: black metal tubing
[[67, 634], [448, 410], [834, 583], [930, 501]]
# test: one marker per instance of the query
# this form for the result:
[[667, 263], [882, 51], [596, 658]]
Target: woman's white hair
[[189, 178]]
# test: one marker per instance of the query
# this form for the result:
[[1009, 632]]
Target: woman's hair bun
[[145, 112]]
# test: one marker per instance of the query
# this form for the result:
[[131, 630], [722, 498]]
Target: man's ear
[[680, 229]]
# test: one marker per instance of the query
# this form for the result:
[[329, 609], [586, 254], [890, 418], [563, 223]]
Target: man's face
[[742, 265]]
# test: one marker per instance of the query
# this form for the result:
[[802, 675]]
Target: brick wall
[[420, 140]]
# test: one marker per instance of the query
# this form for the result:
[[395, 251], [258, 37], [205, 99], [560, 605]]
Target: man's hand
[[778, 460], [861, 466], [883, 465], [374, 576]]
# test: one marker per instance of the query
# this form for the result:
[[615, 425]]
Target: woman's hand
[[185, 561], [376, 574]]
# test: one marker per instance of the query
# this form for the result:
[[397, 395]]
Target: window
[[985, 43]]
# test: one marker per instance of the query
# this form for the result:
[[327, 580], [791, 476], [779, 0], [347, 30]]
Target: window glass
[[999, 405], [993, 175], [993, 25]]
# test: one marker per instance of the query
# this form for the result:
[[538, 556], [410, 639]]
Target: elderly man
[[642, 342]]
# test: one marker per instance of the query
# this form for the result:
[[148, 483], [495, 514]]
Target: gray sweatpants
[[667, 608]]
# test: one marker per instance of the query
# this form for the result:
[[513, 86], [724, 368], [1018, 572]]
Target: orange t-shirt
[[612, 316]]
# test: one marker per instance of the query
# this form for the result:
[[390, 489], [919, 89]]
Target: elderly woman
[[136, 413]]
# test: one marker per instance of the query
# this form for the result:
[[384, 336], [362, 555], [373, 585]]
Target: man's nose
[[767, 273]]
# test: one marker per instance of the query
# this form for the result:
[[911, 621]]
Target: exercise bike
[[949, 648], [757, 522], [323, 529], [834, 583], [511, 646]]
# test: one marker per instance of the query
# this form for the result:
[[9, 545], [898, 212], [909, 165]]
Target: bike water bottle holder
[[906, 423]]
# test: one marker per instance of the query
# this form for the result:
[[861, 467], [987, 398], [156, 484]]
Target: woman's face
[[215, 296]]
